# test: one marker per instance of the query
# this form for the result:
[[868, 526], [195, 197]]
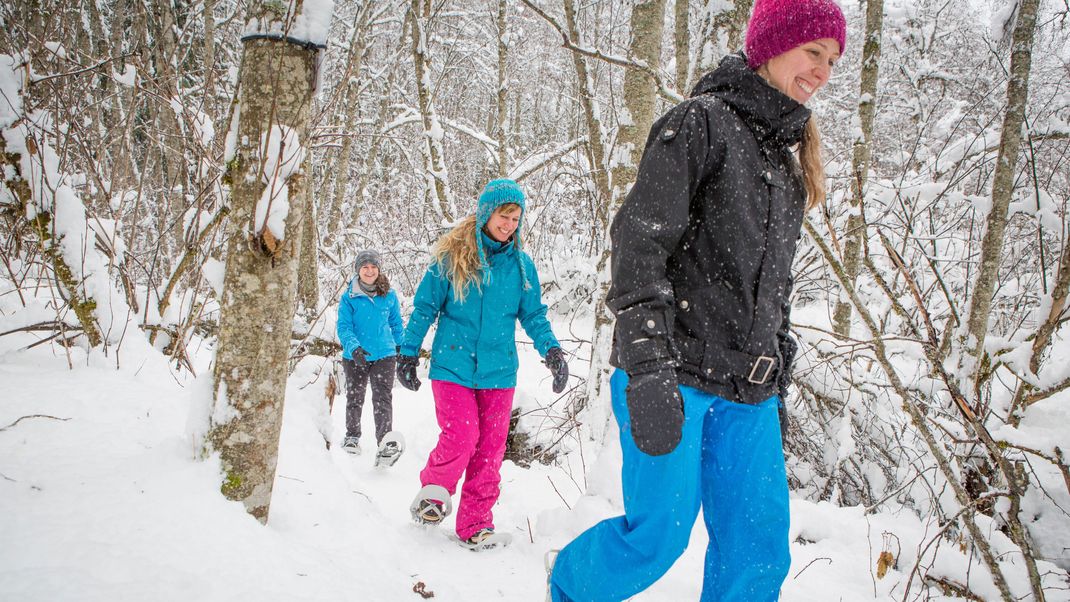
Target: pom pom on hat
[[777, 26]]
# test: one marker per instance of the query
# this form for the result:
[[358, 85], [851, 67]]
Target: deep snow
[[105, 500]]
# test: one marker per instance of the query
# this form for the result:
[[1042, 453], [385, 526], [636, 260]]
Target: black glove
[[782, 413], [555, 361], [360, 358], [407, 372], [656, 411]]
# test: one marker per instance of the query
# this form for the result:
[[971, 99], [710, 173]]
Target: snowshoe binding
[[351, 445], [486, 539], [390, 449], [431, 505]]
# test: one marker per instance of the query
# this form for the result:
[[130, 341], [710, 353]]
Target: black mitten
[[360, 358], [656, 411], [555, 361], [407, 372]]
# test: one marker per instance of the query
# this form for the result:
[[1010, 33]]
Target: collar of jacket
[[492, 246], [771, 114], [355, 290]]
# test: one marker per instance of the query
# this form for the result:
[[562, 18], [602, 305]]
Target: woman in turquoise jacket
[[370, 329], [477, 288]]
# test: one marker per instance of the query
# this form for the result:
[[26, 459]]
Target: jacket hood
[[771, 114]]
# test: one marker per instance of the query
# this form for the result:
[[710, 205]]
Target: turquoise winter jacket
[[475, 345], [372, 323]]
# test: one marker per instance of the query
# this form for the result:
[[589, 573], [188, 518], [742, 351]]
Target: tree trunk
[[308, 289], [276, 85], [648, 21], [503, 90], [350, 105], [682, 41], [1010, 142], [435, 174], [596, 151], [860, 161]]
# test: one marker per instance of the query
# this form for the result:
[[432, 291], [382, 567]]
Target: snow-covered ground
[[102, 498]]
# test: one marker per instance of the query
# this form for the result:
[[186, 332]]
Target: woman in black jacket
[[702, 252]]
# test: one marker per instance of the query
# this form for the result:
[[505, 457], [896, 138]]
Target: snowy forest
[[187, 182]]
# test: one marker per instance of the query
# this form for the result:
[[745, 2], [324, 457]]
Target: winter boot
[[390, 449], [486, 539], [351, 445], [431, 505]]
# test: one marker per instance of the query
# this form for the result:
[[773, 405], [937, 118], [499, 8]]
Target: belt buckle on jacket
[[770, 364]]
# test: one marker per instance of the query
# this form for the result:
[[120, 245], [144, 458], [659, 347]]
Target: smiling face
[[803, 70], [369, 273], [503, 222]]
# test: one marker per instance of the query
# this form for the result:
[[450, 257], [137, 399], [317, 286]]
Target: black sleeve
[[646, 230]]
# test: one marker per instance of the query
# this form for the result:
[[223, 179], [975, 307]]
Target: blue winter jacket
[[372, 323], [475, 344]]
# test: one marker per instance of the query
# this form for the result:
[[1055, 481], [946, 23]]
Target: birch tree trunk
[[436, 176], [276, 85], [860, 160], [503, 91], [1002, 188], [648, 21]]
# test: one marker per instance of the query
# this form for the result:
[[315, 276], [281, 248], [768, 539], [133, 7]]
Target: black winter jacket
[[704, 241]]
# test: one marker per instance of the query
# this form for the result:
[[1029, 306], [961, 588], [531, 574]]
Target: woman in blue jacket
[[370, 328], [477, 288]]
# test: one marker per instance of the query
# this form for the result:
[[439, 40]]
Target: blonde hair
[[813, 168], [457, 252]]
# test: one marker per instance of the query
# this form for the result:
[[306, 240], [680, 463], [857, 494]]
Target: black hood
[[773, 115]]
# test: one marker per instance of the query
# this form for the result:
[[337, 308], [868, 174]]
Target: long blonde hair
[[457, 252], [813, 168]]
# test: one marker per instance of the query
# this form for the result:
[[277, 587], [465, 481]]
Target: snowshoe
[[390, 449], [486, 539], [351, 445], [549, 559], [431, 505]]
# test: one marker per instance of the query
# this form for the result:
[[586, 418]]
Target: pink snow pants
[[474, 423]]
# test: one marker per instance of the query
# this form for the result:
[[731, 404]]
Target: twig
[[558, 492], [33, 416], [809, 563]]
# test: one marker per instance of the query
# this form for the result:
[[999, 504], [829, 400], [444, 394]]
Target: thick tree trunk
[[260, 284], [860, 160], [648, 21], [435, 174]]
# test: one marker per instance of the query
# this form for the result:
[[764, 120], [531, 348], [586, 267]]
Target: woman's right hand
[[407, 372], [655, 411], [360, 358]]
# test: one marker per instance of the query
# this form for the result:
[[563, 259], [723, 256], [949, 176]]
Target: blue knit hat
[[495, 194]]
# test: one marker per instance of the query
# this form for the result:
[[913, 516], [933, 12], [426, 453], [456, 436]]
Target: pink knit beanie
[[777, 26]]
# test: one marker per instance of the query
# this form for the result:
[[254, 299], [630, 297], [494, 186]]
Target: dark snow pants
[[729, 463], [381, 375]]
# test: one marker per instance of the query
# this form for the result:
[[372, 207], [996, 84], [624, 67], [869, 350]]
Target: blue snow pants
[[729, 462]]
